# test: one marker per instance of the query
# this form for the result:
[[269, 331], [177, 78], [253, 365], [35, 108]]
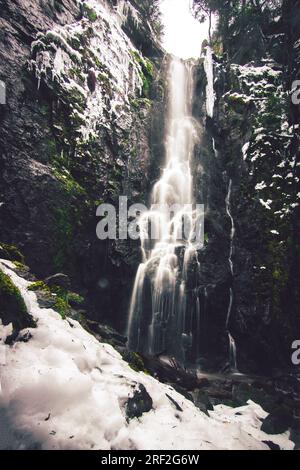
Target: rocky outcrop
[[139, 403], [13, 308], [252, 140], [83, 106]]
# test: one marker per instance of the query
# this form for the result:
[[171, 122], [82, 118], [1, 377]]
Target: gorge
[[120, 334]]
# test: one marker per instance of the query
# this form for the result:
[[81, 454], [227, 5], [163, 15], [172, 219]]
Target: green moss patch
[[147, 72], [11, 253], [135, 361], [56, 297], [12, 306], [89, 13]]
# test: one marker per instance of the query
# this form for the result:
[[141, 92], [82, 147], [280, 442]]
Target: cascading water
[[159, 320], [232, 345]]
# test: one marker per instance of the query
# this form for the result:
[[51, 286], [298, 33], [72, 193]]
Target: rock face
[[252, 140], [84, 124], [83, 106], [277, 422]]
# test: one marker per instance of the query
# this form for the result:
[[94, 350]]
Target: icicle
[[210, 94]]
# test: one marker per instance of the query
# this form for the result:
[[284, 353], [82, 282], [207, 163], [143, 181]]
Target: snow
[[260, 186], [262, 85], [64, 390], [240, 97], [256, 72], [245, 149], [266, 204], [277, 176], [124, 10]]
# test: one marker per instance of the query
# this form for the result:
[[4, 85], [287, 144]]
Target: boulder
[[59, 280], [278, 421], [245, 391], [272, 445], [139, 403], [202, 401], [13, 308]]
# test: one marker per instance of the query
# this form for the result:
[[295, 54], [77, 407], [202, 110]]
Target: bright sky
[[183, 33]]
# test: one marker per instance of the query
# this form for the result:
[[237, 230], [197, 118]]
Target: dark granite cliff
[[83, 119], [252, 141]]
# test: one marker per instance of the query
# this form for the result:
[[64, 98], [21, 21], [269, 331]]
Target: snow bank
[[64, 390]]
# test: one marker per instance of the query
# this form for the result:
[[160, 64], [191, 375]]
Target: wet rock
[[244, 392], [92, 80], [45, 299], [47, 211], [24, 337], [183, 391], [107, 333], [203, 382], [278, 421], [59, 280], [174, 402], [202, 401], [272, 445], [140, 403], [11, 253], [24, 271], [134, 360], [13, 309]]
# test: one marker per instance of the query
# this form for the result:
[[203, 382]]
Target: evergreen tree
[[150, 9], [243, 25]]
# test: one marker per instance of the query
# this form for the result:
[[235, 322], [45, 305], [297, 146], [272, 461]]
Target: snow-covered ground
[[64, 390]]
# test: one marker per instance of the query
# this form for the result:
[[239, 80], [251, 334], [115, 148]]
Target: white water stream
[[159, 320], [232, 345]]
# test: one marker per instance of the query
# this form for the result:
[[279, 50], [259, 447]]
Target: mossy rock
[[11, 253], [48, 299], [23, 271], [56, 297], [238, 103], [39, 285], [12, 306], [90, 13], [134, 361], [147, 72]]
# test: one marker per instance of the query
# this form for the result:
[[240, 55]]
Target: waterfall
[[159, 320], [232, 345]]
